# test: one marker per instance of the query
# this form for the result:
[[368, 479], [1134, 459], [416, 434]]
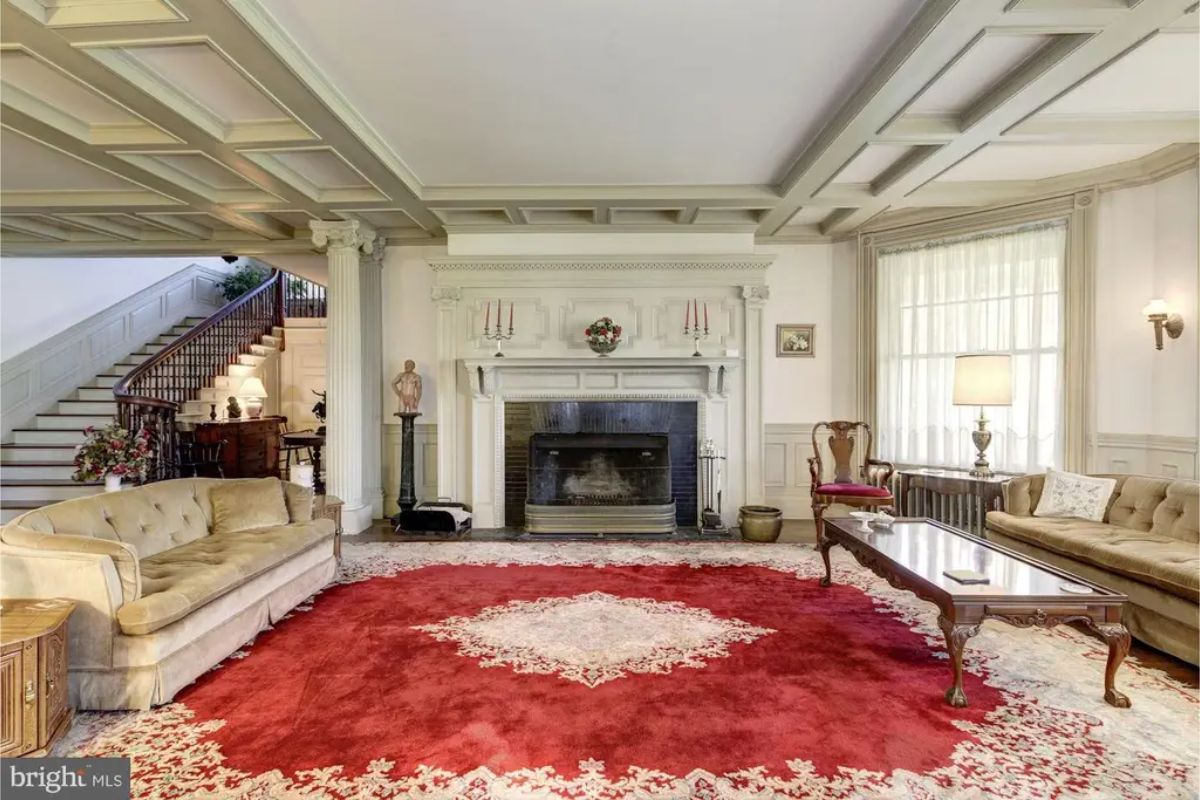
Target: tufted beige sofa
[[1147, 547], [160, 598]]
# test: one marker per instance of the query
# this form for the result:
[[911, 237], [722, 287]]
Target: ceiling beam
[[1106, 129], [941, 30], [1051, 73]]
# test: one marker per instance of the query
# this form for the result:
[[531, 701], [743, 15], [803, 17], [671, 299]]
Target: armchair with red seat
[[869, 491]]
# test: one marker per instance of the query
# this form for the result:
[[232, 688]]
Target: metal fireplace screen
[[599, 483]]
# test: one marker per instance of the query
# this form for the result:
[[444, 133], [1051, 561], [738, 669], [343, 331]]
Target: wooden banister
[[153, 393]]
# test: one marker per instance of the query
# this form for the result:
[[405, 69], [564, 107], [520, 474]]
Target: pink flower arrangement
[[603, 331], [112, 451]]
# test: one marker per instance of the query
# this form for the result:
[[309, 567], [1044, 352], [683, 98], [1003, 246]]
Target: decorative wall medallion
[[595, 637]]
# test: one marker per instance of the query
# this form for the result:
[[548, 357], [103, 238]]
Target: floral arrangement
[[603, 334], [112, 451]]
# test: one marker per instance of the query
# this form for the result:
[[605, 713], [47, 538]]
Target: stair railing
[[151, 395], [304, 298]]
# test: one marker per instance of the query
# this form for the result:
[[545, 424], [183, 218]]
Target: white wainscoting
[[35, 380], [1145, 454], [425, 451], [786, 451]]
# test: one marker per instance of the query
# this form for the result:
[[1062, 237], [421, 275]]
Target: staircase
[[36, 467]]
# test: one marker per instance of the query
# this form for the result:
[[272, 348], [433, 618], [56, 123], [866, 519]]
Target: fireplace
[[599, 483], [600, 466]]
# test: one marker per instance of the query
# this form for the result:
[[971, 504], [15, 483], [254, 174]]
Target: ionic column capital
[[350, 234]]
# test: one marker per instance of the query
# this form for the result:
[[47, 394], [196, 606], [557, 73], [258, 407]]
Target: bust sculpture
[[407, 387], [232, 409]]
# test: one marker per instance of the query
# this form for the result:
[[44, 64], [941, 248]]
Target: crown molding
[[595, 263]]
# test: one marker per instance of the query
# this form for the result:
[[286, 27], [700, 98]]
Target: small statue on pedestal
[[407, 387]]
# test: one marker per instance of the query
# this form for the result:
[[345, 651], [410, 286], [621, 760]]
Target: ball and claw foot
[[1116, 699], [955, 697]]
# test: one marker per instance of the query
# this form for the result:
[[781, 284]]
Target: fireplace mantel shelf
[[484, 372]]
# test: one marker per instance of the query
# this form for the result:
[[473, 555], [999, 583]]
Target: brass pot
[[760, 523]]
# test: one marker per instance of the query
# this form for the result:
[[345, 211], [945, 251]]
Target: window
[[996, 293]]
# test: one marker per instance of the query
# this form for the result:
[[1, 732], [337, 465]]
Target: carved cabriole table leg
[[956, 638], [1116, 635], [823, 542]]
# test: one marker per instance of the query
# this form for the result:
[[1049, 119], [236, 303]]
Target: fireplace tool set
[[712, 464]]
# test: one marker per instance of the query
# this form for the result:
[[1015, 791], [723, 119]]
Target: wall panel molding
[[786, 450], [36, 379], [1145, 454]]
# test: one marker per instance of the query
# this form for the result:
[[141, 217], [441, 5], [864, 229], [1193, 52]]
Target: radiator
[[964, 506]]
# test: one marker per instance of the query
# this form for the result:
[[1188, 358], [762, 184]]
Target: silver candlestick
[[697, 333], [499, 337]]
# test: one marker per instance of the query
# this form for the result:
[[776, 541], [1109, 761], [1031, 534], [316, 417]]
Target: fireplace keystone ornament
[[603, 336]]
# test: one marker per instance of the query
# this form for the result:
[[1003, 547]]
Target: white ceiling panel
[[547, 92], [981, 67], [1018, 162], [35, 77], [29, 166], [1162, 75], [200, 71]]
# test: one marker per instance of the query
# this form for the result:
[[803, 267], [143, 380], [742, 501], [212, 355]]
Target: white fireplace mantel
[[599, 378]]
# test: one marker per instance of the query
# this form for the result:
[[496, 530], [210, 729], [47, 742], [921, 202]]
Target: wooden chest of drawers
[[35, 708], [251, 446]]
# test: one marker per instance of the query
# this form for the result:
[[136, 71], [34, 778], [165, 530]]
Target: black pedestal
[[407, 497]]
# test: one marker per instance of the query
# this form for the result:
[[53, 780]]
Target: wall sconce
[[1158, 312]]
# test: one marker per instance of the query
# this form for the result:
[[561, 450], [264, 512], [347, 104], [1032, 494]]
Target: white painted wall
[[41, 297], [1147, 247], [409, 325]]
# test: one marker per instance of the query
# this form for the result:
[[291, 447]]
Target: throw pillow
[[1069, 495], [299, 501], [241, 505]]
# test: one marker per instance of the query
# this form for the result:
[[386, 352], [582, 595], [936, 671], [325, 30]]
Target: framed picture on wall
[[794, 340]]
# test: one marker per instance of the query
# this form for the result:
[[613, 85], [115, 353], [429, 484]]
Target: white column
[[347, 392], [446, 298], [756, 297], [372, 327]]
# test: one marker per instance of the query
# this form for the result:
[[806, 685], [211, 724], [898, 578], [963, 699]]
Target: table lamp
[[253, 392], [982, 380]]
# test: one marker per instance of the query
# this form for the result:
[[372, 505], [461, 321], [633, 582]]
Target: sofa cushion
[[151, 518], [177, 581], [1168, 563], [1178, 515], [243, 505], [299, 501], [1066, 494], [1135, 501]]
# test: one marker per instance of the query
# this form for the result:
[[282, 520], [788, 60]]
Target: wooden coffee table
[[912, 555]]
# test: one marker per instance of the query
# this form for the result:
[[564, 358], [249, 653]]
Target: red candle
[[695, 313], [706, 316], [510, 309], [487, 323], [687, 315]]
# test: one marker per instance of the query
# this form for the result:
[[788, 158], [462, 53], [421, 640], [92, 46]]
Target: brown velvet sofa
[[160, 597], [1147, 547]]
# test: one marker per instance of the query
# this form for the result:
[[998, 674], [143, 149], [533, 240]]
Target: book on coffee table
[[965, 576]]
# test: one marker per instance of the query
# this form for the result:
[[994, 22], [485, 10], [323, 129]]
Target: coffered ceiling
[[201, 126]]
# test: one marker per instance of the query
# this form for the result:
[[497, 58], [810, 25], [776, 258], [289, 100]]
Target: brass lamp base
[[982, 437]]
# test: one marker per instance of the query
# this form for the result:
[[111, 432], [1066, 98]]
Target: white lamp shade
[[983, 380], [253, 387], [1156, 307]]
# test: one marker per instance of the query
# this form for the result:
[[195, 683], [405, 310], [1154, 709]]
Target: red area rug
[[623, 671]]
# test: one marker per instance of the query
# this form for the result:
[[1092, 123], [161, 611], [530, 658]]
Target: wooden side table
[[328, 506], [35, 707], [955, 498]]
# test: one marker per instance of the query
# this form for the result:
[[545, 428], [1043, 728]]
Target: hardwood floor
[[794, 531]]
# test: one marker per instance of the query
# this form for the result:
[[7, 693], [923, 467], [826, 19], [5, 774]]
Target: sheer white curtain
[[996, 293]]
